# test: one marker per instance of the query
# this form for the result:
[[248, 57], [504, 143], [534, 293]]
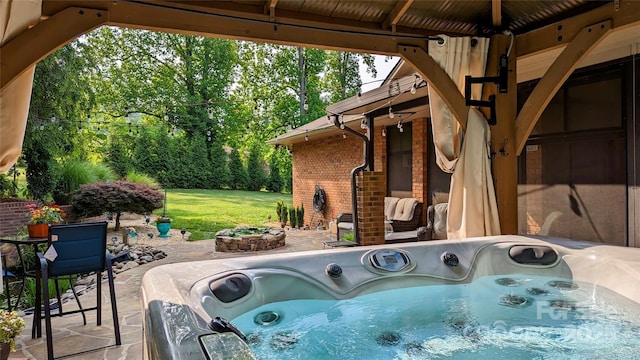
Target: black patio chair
[[81, 249]]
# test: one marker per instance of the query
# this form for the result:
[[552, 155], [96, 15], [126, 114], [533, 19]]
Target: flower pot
[[5, 349], [38, 230], [163, 228]]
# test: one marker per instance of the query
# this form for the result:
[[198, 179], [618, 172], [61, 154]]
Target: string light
[[305, 105], [306, 136], [391, 114], [384, 132], [344, 135], [400, 127]]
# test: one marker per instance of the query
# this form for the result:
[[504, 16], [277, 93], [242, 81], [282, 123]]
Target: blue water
[[496, 317]]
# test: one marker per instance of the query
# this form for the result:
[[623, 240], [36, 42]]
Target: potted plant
[[10, 326], [163, 223], [38, 225]]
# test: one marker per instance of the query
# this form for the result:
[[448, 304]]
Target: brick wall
[[419, 166], [370, 207], [326, 162], [13, 215]]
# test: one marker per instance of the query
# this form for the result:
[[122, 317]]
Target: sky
[[383, 67]]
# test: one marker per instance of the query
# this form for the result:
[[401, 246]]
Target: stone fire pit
[[244, 238]]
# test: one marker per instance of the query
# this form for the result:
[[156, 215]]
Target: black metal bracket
[[503, 86]]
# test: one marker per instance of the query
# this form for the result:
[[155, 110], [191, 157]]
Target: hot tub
[[511, 296]]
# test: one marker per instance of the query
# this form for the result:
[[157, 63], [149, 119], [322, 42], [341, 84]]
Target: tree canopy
[[139, 100]]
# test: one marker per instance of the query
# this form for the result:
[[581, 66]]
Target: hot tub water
[[495, 317]]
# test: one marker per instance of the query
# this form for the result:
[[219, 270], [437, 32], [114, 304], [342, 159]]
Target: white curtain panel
[[15, 17], [473, 209]]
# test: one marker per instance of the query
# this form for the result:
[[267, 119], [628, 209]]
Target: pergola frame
[[65, 20]]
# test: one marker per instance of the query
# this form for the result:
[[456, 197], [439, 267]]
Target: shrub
[[292, 217], [72, 174], [300, 215], [284, 214], [279, 207], [140, 178], [116, 197]]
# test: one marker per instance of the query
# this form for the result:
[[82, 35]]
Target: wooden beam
[[562, 32], [32, 45], [496, 13], [270, 8], [323, 36], [555, 76], [396, 13], [437, 79], [504, 165]]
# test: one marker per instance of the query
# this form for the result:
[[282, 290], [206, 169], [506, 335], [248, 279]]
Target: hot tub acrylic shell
[[178, 303]]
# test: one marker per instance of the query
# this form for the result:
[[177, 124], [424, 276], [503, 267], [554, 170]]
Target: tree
[[59, 99], [255, 170], [116, 197], [237, 170], [274, 182], [342, 78]]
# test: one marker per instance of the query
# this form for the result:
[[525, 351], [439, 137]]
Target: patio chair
[[436, 228], [81, 249]]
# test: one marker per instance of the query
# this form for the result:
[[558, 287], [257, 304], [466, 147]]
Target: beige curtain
[[472, 205], [15, 17]]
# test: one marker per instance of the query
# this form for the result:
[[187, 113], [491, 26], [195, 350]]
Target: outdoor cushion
[[440, 221], [404, 209], [345, 226], [390, 207]]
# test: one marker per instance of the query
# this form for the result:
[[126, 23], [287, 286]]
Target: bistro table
[[19, 241]]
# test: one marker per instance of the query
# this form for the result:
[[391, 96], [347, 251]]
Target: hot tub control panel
[[387, 260]]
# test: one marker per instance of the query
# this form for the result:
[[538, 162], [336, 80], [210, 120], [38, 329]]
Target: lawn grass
[[205, 212]]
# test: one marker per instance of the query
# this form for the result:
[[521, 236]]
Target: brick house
[[325, 155], [576, 174]]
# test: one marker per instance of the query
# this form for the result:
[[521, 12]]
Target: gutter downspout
[[368, 164]]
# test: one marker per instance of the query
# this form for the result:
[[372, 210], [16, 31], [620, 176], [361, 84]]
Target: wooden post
[[504, 165]]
